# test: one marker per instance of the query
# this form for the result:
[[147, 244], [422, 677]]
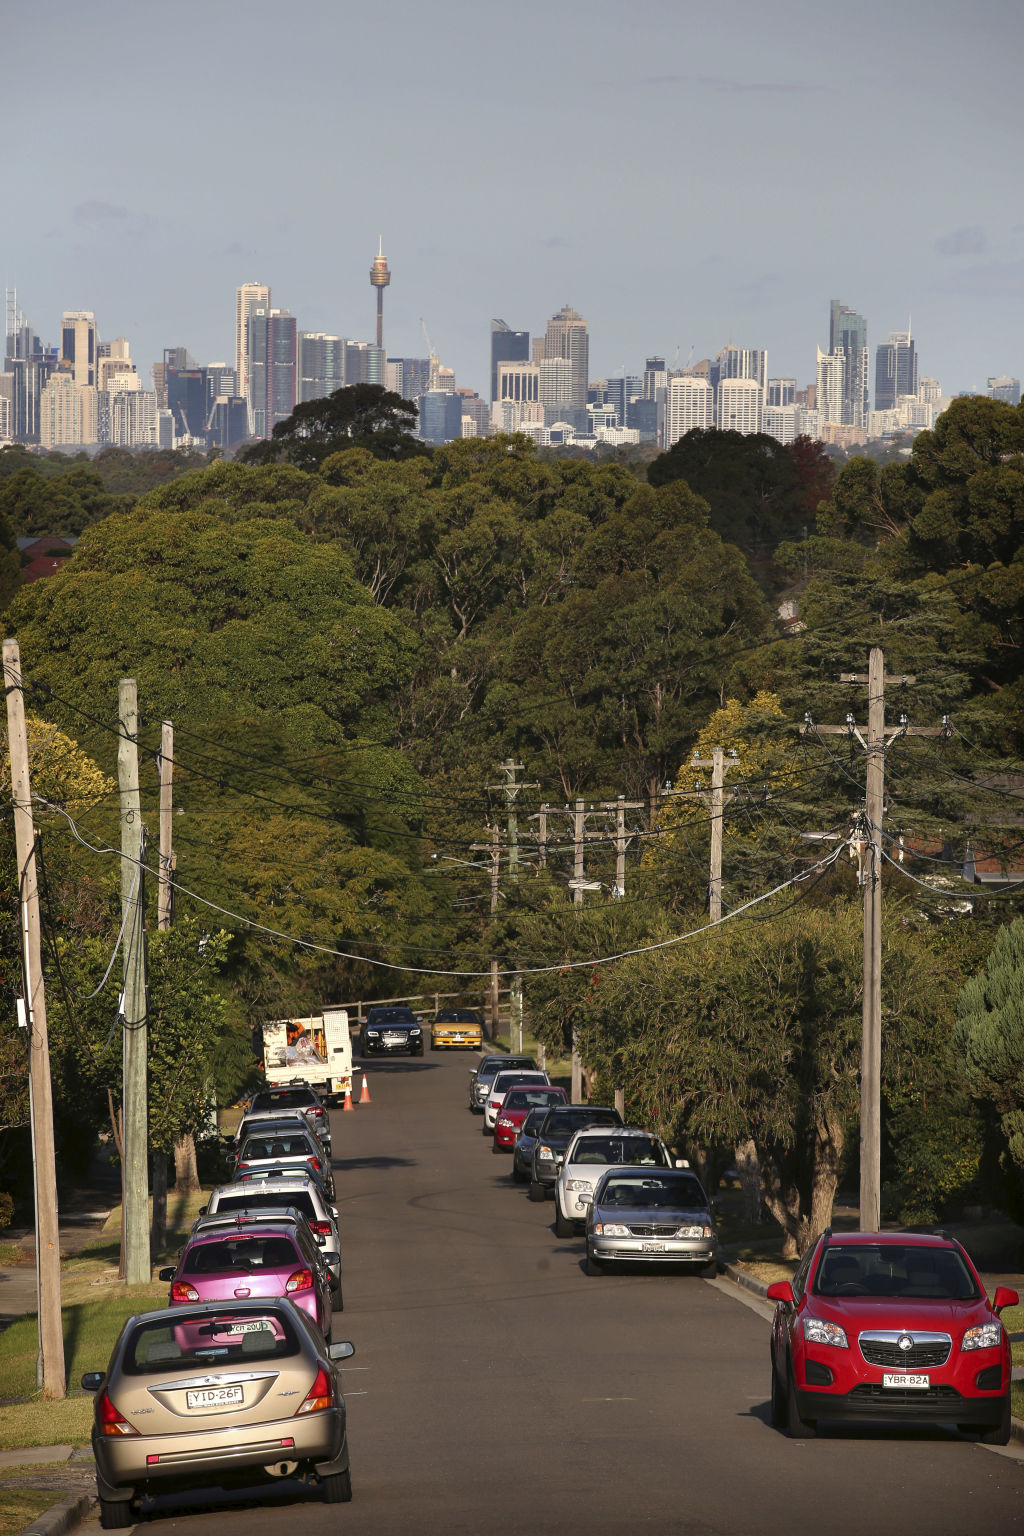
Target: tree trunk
[[186, 1174], [158, 1231], [803, 1227], [748, 1166]]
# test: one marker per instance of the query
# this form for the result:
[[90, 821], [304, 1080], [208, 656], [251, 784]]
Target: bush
[[6, 1208]]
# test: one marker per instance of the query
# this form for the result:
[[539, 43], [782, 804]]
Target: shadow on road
[[378, 1064], [350, 1164]]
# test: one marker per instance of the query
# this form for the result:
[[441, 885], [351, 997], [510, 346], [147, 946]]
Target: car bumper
[[505, 1137], [392, 1048], [870, 1400], [642, 1250], [129, 1461], [456, 1039], [546, 1173]]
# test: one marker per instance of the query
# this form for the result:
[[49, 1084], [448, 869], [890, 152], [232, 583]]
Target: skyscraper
[[566, 337], [895, 370], [248, 298], [739, 405], [78, 345], [690, 405], [848, 335], [1004, 387], [321, 365], [507, 346]]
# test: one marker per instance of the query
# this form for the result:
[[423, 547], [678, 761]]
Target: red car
[[515, 1107], [890, 1326]]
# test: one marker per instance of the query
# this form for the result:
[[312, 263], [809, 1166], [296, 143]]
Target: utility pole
[[165, 912], [510, 789], [716, 802], [871, 880], [50, 1373], [494, 848], [620, 805], [134, 1093]]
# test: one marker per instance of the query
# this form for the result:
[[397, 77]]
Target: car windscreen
[[288, 1098], [204, 1338], [257, 1148], [894, 1269], [630, 1151], [675, 1193], [300, 1199], [563, 1122], [243, 1254], [533, 1122], [390, 1016], [457, 1016], [530, 1098]]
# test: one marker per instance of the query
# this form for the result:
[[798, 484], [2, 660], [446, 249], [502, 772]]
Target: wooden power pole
[[874, 745], [134, 1020], [165, 890], [51, 1373]]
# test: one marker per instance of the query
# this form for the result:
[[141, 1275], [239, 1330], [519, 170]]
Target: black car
[[554, 1135], [388, 1029], [526, 1141]]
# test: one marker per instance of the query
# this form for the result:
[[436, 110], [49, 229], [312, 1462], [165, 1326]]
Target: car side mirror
[[1004, 1297], [203, 1210], [321, 1240], [342, 1350], [716, 1204], [781, 1290], [93, 1380], [334, 1212], [166, 1274]]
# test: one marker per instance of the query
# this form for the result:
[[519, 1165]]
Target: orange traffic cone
[[348, 1097], [364, 1097]]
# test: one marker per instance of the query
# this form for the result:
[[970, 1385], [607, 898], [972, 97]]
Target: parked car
[[390, 1029], [258, 1153], [515, 1107], [230, 1392], [591, 1154], [525, 1143], [266, 1259], [498, 1089], [265, 1174], [300, 1096], [559, 1127], [482, 1076], [461, 1027], [298, 1193], [892, 1326], [267, 1122], [645, 1215]]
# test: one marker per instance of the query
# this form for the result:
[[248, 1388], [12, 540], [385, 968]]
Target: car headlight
[[415, 1031], [983, 1337], [610, 1229], [371, 1034], [580, 1186], [545, 1154], [817, 1331], [704, 1231], [507, 1125]]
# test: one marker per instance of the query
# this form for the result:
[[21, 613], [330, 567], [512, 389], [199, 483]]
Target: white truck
[[317, 1051]]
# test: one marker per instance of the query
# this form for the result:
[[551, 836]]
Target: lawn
[[20, 1506]]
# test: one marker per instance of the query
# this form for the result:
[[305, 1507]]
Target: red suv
[[890, 1325]]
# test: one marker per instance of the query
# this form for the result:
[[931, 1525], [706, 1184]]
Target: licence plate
[[652, 1247], [213, 1397], [259, 1326], [901, 1379]]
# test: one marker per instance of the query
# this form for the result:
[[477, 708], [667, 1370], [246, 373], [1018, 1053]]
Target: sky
[[684, 174]]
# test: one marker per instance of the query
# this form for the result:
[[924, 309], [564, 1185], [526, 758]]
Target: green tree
[[749, 481], [359, 416], [990, 1036], [35, 504]]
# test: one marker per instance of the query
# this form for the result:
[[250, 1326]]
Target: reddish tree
[[815, 472]]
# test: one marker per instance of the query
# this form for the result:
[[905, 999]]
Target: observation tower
[[380, 277]]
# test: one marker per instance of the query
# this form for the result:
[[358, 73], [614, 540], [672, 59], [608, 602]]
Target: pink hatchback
[[268, 1261]]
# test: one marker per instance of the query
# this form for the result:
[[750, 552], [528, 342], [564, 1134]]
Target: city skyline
[[555, 174]]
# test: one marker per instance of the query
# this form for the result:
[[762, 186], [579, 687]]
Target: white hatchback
[[498, 1089], [593, 1153]]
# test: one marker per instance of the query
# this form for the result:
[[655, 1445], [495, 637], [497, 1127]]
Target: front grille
[[874, 1392], [879, 1349], [650, 1230]]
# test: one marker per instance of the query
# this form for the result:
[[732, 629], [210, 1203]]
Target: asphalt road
[[496, 1388]]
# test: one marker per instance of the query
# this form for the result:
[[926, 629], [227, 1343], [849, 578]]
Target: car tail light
[[301, 1280], [111, 1422], [495, 1103], [319, 1396], [182, 1291], [314, 1162], [241, 1165], [321, 1228]]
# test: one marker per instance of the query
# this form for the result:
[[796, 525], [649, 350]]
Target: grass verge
[[20, 1506]]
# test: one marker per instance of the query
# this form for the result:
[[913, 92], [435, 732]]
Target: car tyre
[[778, 1401], [518, 1176], [594, 1266], [338, 1299], [485, 1130], [337, 1487], [537, 1192], [116, 1514], [495, 1148], [563, 1226], [998, 1434], [709, 1270], [796, 1427]]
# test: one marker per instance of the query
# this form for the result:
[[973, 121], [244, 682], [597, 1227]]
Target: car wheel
[[778, 1407], [495, 1148], [116, 1514], [709, 1270], [594, 1266], [998, 1434], [796, 1427], [486, 1130], [563, 1226], [337, 1487], [338, 1299], [537, 1192], [519, 1177]]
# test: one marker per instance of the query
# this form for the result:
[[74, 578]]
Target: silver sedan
[[651, 1216]]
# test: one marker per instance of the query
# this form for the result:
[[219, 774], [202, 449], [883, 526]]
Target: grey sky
[[683, 173]]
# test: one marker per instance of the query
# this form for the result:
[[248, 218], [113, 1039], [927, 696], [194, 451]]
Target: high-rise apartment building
[[830, 386], [895, 370], [272, 367], [739, 405], [507, 346], [848, 337], [690, 405], [321, 365], [740, 363], [78, 345], [249, 298], [781, 392], [67, 411], [29, 364], [1003, 387], [566, 337]]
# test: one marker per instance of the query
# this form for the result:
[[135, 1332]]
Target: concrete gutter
[[63, 1517]]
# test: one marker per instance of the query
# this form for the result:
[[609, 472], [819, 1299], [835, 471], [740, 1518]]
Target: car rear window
[[685, 1192], [574, 1117], [288, 1098], [894, 1269], [506, 1080], [299, 1198], [243, 1253], [630, 1151], [201, 1338], [257, 1147], [530, 1098]]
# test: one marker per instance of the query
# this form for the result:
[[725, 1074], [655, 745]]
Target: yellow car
[[461, 1027]]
